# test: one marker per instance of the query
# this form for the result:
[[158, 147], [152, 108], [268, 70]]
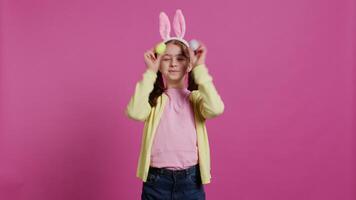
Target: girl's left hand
[[199, 56]]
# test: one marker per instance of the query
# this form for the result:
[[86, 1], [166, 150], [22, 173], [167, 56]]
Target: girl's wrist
[[151, 69], [198, 64]]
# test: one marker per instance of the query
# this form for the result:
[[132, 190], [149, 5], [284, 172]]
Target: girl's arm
[[139, 107], [209, 102]]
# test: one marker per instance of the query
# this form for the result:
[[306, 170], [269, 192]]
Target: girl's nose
[[174, 62]]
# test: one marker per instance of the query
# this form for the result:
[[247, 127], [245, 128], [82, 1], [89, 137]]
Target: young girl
[[174, 161]]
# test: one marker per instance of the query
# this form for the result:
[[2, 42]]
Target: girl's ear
[[179, 24], [164, 26]]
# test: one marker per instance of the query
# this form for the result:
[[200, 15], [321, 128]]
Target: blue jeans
[[165, 184]]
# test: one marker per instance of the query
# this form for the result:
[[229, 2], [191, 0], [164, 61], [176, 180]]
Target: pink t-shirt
[[175, 142]]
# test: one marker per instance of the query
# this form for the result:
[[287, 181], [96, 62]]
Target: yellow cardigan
[[206, 103]]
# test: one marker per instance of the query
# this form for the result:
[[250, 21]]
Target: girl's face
[[174, 65]]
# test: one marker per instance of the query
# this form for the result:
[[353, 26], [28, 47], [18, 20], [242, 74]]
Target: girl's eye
[[179, 59]]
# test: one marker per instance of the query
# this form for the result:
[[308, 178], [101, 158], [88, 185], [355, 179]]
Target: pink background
[[285, 70]]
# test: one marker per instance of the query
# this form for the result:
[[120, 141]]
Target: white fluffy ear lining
[[179, 24], [164, 26]]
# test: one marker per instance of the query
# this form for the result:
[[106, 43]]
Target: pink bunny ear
[[164, 26], [179, 24]]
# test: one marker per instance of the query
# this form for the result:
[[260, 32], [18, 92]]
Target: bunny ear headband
[[179, 29], [178, 26]]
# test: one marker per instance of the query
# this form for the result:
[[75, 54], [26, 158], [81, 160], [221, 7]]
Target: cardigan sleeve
[[209, 101], [139, 107]]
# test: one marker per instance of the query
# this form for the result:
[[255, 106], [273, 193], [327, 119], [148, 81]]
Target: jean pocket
[[194, 178], [152, 178]]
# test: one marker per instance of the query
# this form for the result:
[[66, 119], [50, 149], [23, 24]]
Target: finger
[[152, 50], [198, 52], [201, 46], [201, 49], [152, 55], [191, 55], [190, 52], [159, 56], [147, 54], [149, 57]]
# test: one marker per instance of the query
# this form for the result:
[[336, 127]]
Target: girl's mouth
[[173, 71]]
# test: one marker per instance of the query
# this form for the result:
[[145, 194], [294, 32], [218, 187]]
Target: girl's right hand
[[152, 62]]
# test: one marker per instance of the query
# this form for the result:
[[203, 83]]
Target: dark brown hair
[[159, 86]]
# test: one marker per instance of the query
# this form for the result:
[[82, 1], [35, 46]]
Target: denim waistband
[[190, 170]]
